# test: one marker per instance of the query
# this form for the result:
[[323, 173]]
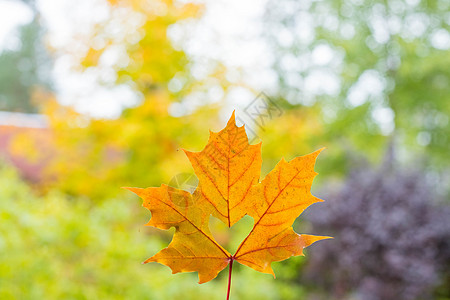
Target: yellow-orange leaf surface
[[275, 204], [228, 169], [192, 248]]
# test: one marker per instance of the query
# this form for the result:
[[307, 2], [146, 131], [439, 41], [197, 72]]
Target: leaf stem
[[229, 277]]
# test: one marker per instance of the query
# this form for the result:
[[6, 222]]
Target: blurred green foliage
[[23, 67], [60, 247], [383, 67]]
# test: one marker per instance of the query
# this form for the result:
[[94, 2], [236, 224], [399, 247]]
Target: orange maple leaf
[[192, 248], [228, 169]]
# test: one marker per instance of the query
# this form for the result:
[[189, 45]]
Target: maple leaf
[[192, 248], [275, 204], [228, 169]]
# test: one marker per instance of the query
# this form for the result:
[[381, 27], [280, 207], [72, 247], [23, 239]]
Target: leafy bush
[[56, 247], [392, 238]]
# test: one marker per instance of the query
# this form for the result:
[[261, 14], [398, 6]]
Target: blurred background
[[97, 94]]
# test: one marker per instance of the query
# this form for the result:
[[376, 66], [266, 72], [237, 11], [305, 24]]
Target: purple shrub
[[392, 239]]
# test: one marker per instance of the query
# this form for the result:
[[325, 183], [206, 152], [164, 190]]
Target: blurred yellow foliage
[[96, 157]]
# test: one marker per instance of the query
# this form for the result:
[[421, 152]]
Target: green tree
[[377, 70], [24, 68]]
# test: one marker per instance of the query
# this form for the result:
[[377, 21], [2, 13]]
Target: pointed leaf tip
[[317, 152], [321, 149], [133, 189], [232, 120]]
